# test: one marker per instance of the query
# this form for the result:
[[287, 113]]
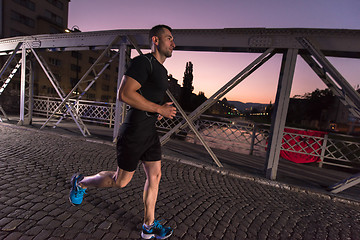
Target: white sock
[[148, 227]]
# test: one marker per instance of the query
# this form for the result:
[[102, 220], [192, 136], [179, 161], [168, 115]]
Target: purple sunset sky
[[213, 70]]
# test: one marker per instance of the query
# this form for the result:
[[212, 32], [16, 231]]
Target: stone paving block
[[71, 234], [12, 225], [110, 236], [53, 224], [13, 236], [45, 220], [26, 225], [33, 231], [43, 235], [64, 216], [79, 224], [105, 225]]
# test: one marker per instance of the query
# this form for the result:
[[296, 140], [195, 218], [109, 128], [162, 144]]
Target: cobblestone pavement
[[36, 167]]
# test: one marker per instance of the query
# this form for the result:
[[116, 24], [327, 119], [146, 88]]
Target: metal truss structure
[[314, 45]]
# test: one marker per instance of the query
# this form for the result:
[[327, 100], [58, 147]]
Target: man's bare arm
[[128, 93]]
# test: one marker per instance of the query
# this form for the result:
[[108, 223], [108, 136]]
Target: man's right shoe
[[156, 231], [76, 193]]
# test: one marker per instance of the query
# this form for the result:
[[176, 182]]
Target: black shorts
[[135, 143]]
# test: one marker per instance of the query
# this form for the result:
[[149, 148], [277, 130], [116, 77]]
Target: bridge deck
[[299, 176]]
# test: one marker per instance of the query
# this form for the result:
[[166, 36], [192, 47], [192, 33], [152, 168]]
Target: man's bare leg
[[119, 178], [151, 189]]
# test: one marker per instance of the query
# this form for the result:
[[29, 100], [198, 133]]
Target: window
[[90, 96], [57, 77], [73, 82], [105, 98], [91, 60], [75, 68], [106, 76], [76, 55], [54, 18], [55, 30], [51, 90], [22, 19], [56, 3], [15, 33], [105, 87], [26, 3], [55, 62]]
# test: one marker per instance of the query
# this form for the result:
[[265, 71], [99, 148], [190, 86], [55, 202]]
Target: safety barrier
[[236, 136]]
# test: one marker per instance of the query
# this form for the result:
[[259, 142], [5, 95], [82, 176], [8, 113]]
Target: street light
[[74, 28]]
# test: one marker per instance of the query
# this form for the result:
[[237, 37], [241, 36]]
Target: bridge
[[313, 45]]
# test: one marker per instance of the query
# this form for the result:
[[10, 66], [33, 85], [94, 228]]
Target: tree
[[187, 88], [188, 77], [310, 106], [318, 101]]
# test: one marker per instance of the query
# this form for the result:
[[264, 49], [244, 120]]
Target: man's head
[[161, 40], [157, 31]]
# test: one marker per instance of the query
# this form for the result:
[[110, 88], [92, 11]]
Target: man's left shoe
[[157, 231]]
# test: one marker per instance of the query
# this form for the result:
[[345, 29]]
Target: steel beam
[[120, 106], [11, 75], [332, 71], [29, 93], [22, 85], [69, 107], [66, 99], [346, 94], [280, 112], [221, 92], [11, 57], [343, 97], [4, 113], [345, 184], [332, 42], [194, 129]]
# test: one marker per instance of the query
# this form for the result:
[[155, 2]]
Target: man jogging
[[143, 88]]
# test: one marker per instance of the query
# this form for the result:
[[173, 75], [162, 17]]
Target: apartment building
[[27, 17], [30, 17]]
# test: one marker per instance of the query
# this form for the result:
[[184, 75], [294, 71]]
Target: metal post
[[111, 114], [323, 148], [280, 111], [30, 92], [47, 106], [253, 136], [119, 105], [22, 85]]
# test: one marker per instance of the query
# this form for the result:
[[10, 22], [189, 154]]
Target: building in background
[[30, 17]]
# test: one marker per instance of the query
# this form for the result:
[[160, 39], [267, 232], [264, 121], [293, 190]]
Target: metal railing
[[236, 136], [89, 111]]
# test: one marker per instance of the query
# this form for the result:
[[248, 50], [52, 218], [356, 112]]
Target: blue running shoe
[[157, 231], [76, 192]]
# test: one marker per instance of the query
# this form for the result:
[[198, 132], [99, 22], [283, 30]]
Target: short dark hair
[[157, 30]]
